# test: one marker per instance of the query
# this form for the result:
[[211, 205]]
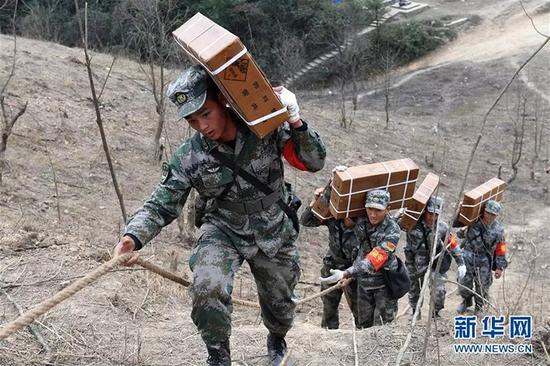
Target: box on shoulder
[[417, 204], [350, 186], [234, 71], [474, 200]]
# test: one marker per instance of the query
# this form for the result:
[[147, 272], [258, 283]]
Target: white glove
[[461, 271], [289, 101], [337, 275]]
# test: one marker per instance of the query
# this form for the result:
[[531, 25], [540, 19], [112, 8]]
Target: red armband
[[453, 241], [500, 249], [378, 257], [289, 152]]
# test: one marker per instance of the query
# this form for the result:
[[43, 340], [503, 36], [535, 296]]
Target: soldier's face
[[210, 120], [429, 218], [375, 215], [488, 218]]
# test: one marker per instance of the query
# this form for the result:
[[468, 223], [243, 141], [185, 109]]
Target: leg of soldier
[[384, 305], [414, 291], [351, 290], [214, 262], [440, 291], [275, 279], [331, 301], [467, 282], [484, 280], [366, 305]]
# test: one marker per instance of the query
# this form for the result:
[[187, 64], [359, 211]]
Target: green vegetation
[[282, 35]]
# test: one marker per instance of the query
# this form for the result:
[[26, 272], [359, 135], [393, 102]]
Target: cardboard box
[[473, 200], [234, 71], [350, 186], [417, 204], [318, 208]]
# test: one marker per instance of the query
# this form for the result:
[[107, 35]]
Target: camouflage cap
[[493, 207], [378, 198], [434, 205], [188, 91]]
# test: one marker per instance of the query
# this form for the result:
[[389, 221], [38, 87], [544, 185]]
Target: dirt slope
[[135, 318]]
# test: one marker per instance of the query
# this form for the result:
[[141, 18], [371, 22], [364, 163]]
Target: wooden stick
[[31, 327]]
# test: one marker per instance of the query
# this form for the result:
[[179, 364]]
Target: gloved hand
[[289, 101], [461, 271], [336, 276]]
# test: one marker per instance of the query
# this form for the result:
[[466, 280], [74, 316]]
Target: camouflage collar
[[208, 144]]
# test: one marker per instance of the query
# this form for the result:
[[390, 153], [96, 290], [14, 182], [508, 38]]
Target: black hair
[[212, 91]]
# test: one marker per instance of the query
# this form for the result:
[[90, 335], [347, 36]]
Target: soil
[[134, 317]]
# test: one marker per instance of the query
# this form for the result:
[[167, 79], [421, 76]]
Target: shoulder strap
[[262, 187]]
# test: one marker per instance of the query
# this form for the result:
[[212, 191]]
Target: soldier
[[342, 250], [378, 235], [240, 222], [419, 249], [484, 250]]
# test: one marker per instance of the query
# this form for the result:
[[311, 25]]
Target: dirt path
[[494, 39]]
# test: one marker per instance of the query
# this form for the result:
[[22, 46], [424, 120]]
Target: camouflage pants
[[373, 306], [331, 301], [438, 280], [214, 262], [391, 306], [478, 275], [369, 307]]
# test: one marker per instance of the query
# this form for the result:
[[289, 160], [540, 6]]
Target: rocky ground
[[133, 317]]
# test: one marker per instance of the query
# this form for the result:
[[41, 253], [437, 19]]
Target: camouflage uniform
[[417, 260], [377, 244], [264, 238], [342, 250], [484, 250]]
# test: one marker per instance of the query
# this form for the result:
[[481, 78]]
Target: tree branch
[[99, 121], [484, 121]]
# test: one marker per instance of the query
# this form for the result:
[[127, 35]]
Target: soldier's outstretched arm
[[455, 250], [164, 205]]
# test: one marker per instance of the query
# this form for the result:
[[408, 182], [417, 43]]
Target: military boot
[[276, 349], [219, 354], [464, 305]]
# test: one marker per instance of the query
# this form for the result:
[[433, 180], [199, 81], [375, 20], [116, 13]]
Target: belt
[[249, 207]]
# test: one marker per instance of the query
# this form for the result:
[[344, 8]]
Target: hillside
[[133, 317]]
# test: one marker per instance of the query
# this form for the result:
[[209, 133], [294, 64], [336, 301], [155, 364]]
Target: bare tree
[[537, 141], [518, 117], [151, 31], [40, 22], [486, 116], [291, 54], [388, 62], [8, 119], [350, 62], [95, 100]]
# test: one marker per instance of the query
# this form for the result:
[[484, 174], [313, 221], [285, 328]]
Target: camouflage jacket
[[193, 166], [384, 236], [419, 248], [481, 240], [342, 242]]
